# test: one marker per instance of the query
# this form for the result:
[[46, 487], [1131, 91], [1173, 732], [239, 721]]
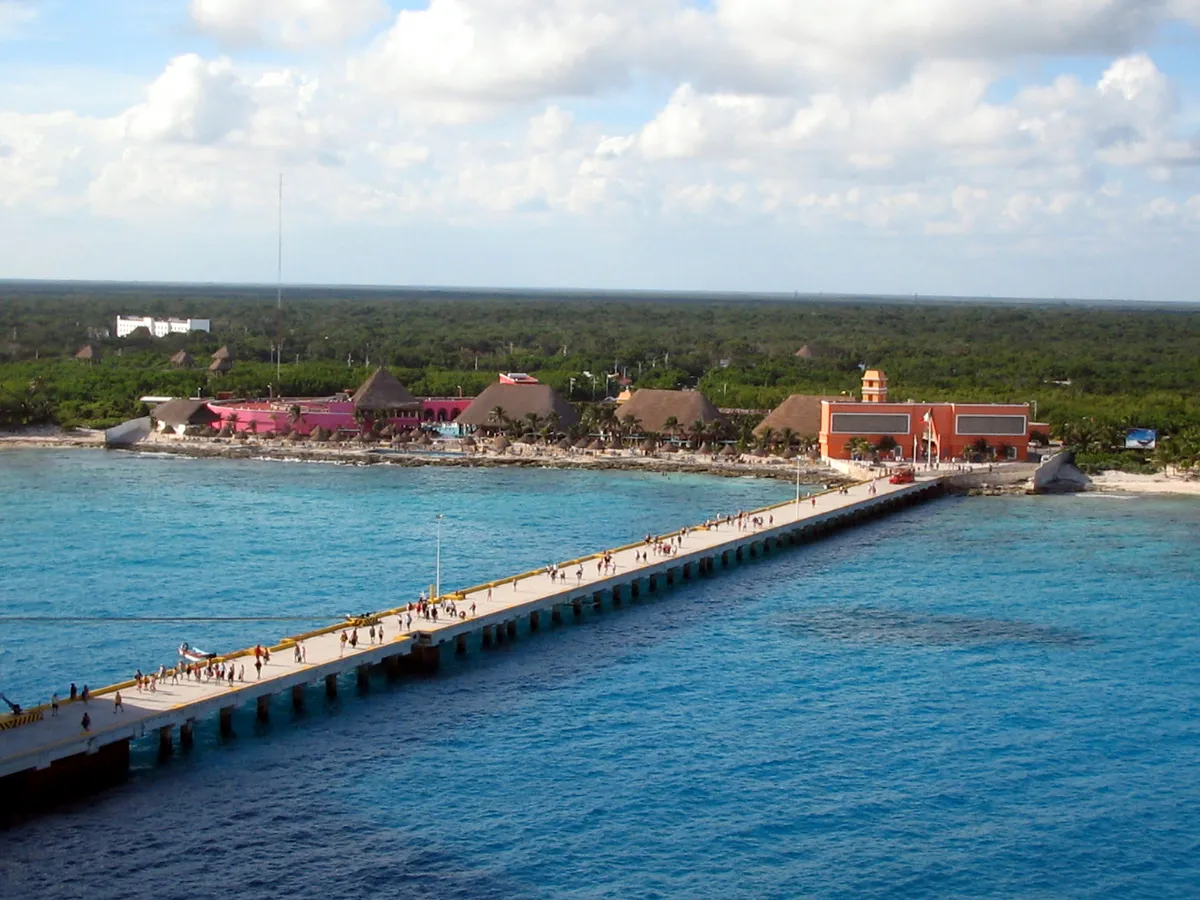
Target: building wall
[[159, 327], [840, 425], [332, 415]]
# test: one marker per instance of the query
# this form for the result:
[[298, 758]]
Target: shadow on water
[[873, 625]]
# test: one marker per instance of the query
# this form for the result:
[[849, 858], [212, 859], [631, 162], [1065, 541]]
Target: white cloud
[[15, 16], [286, 23], [192, 100]]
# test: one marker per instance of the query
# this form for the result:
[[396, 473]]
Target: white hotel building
[[159, 327]]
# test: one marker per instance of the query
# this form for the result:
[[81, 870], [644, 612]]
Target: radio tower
[[279, 298]]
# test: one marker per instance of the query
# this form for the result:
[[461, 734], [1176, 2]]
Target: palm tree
[[499, 415], [630, 424], [766, 439], [670, 425], [859, 447], [534, 420], [787, 438], [696, 433]]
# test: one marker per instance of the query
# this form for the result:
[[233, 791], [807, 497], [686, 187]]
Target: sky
[[1037, 148]]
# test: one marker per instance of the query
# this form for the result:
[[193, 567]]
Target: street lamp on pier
[[437, 584]]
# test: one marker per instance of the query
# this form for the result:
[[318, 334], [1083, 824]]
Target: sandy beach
[[1161, 483]]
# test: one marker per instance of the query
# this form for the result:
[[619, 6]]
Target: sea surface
[[978, 697]]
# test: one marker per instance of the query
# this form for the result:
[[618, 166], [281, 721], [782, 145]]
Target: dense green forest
[[1092, 368]]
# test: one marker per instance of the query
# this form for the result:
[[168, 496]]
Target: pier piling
[[331, 686], [226, 720]]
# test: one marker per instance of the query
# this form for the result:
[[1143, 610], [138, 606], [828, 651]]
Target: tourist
[[354, 639], [381, 632], [371, 632], [117, 705], [266, 655], [54, 704], [473, 603], [241, 673], [86, 722], [489, 599], [258, 666], [295, 653], [343, 640], [74, 692], [304, 653], [84, 694]]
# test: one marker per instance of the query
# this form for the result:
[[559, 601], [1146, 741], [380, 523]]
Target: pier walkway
[[45, 744]]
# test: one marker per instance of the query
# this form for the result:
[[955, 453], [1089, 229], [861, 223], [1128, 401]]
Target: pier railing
[[36, 713]]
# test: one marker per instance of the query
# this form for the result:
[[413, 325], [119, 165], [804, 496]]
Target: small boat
[[194, 654]]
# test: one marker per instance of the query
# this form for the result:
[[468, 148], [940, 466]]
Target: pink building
[[380, 398]]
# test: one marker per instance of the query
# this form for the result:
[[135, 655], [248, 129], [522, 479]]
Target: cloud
[[286, 23], [15, 15], [193, 101]]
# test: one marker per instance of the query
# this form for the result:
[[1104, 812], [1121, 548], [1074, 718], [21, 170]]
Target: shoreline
[[209, 448], [1159, 484]]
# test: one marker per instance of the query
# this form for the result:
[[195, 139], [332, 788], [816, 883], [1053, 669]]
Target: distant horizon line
[[582, 292]]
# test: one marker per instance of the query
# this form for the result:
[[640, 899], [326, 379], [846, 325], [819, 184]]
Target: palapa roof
[[652, 408], [383, 391], [223, 353], [221, 365], [88, 352], [517, 401], [184, 412], [799, 412], [183, 360]]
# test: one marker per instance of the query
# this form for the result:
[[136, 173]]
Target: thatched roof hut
[[653, 408], [88, 353], [319, 435], [517, 401], [705, 447], [500, 443], [183, 360], [799, 412], [582, 443], [648, 446], [425, 440], [382, 392], [223, 353], [564, 444], [730, 452], [179, 414], [294, 436], [220, 365], [596, 444]]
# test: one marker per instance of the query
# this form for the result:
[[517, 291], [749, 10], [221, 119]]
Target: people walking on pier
[[371, 632], [117, 705], [579, 574], [86, 722], [295, 653], [489, 599], [473, 603], [258, 665], [84, 694], [54, 704], [354, 639], [74, 692], [241, 673]]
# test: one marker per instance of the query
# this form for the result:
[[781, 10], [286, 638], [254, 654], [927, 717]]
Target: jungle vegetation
[[1091, 369]]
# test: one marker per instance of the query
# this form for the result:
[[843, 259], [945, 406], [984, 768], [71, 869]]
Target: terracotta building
[[923, 431]]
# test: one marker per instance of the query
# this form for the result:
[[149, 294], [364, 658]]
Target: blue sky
[[1002, 147]]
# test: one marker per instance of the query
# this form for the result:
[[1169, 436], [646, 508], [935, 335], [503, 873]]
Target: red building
[[923, 431]]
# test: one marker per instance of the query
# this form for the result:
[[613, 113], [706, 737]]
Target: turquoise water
[[977, 697]]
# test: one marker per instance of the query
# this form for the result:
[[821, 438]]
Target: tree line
[[1104, 366]]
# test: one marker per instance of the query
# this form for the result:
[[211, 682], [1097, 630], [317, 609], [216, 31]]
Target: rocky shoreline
[[200, 448]]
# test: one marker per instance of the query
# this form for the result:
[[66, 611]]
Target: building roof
[[653, 408], [383, 391], [874, 375], [224, 364], [184, 412], [517, 400], [799, 412], [183, 360], [223, 353], [88, 352]]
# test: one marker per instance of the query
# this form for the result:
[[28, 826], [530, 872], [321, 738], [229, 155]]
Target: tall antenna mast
[[279, 298]]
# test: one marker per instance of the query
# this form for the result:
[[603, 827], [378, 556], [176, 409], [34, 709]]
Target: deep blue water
[[987, 697]]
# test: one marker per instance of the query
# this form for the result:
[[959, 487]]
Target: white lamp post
[[438, 573]]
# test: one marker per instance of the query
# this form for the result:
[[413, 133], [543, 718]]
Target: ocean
[[978, 697]]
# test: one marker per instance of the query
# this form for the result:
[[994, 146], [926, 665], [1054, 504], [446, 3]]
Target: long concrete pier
[[45, 758]]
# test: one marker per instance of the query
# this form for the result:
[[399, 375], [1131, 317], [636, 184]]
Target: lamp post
[[797, 486], [438, 570]]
